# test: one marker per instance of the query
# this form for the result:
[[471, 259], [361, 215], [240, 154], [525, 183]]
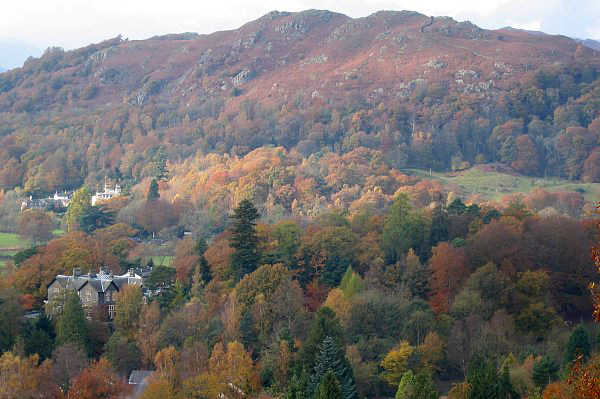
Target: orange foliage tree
[[449, 268]]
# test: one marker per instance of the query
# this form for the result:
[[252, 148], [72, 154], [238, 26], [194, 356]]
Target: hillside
[[425, 92]]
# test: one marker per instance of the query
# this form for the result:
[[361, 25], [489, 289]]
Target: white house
[[107, 194]]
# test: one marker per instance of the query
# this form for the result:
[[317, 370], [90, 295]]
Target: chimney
[[76, 272], [131, 273]]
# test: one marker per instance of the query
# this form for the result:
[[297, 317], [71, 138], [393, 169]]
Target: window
[[111, 311]]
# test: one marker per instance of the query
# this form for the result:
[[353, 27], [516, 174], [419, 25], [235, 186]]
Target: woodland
[[294, 254]]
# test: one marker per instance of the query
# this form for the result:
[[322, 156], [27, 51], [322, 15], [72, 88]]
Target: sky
[[29, 26]]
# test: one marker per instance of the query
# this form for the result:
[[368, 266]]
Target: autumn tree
[[127, 310], [449, 268], [244, 240], [22, 378], [395, 363], [234, 369], [156, 215], [98, 381], [68, 361], [36, 225]]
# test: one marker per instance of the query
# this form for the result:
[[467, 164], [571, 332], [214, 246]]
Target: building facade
[[93, 289]]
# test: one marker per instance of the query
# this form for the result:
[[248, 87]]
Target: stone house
[[94, 289]]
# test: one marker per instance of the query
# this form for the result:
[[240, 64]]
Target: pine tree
[[579, 344], [160, 171], [203, 267], [329, 388], [406, 386], [351, 283], [244, 240], [331, 358], [71, 324], [439, 226], [325, 324], [153, 193], [544, 372], [298, 387], [247, 335], [506, 389]]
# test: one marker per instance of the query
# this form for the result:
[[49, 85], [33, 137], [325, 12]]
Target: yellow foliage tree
[[431, 352], [158, 388], [234, 370], [395, 363]]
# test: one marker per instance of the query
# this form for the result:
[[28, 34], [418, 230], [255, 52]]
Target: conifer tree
[[160, 171], [153, 193], [544, 372], [325, 324], [244, 240], [71, 325], [351, 283], [439, 226], [331, 359], [579, 344], [329, 388], [298, 387], [247, 335], [203, 267]]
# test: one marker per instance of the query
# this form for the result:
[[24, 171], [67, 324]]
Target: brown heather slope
[[419, 92], [312, 53]]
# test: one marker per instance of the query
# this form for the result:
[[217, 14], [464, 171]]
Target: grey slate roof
[[138, 376], [100, 282]]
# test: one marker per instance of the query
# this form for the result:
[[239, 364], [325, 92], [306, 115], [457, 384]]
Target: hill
[[425, 92]]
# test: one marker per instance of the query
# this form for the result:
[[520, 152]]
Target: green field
[[162, 260], [9, 240], [494, 185]]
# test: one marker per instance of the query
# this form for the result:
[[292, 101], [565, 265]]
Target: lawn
[[494, 185], [9, 240], [162, 260]]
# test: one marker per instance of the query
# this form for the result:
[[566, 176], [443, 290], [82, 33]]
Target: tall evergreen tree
[[331, 359], [248, 337], [329, 388], [160, 171], [71, 325], [439, 226], [544, 372], [244, 241], [203, 267], [94, 218], [486, 383], [579, 344], [298, 387], [325, 324], [153, 193]]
